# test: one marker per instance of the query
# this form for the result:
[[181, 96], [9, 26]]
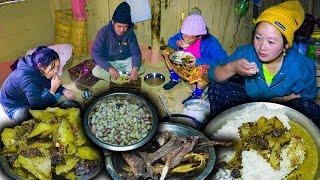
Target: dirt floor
[[171, 98]]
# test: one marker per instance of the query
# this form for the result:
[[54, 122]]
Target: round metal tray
[[266, 107], [114, 162], [132, 98], [9, 171]]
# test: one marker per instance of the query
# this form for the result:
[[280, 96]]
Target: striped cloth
[[227, 95]]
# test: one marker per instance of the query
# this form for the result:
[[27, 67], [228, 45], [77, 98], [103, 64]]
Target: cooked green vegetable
[[40, 167], [39, 129], [87, 152], [267, 136], [52, 143]]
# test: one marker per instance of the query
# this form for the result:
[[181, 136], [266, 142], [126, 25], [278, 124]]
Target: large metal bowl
[[265, 109], [115, 163], [133, 99], [13, 175]]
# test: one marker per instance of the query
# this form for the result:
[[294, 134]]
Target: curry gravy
[[308, 169]]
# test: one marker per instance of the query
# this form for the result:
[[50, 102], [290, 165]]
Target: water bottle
[[314, 47], [301, 45], [241, 7]]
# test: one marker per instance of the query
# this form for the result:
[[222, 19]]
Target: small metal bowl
[[154, 79]]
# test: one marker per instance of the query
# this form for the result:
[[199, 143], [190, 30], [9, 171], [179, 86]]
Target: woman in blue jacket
[[34, 84], [194, 38], [269, 69]]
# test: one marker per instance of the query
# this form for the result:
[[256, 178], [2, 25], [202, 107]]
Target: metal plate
[[115, 162], [9, 171], [182, 119], [132, 98], [181, 57], [265, 109], [154, 79]]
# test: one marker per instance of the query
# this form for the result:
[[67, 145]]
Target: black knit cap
[[122, 14]]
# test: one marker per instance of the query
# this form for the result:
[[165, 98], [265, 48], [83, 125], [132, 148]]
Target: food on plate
[[267, 149], [165, 156], [187, 59], [181, 57], [122, 79], [51, 144], [119, 122]]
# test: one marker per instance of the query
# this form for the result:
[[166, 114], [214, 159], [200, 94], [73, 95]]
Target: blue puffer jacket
[[297, 75], [24, 87], [210, 49]]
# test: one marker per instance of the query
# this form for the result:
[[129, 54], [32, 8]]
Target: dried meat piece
[[136, 164]]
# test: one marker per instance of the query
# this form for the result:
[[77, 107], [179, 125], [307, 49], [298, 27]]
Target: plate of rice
[[271, 141]]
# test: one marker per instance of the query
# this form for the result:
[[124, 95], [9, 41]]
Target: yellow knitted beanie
[[287, 17]]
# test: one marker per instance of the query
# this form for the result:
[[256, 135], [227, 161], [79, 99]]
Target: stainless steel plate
[[132, 98], [181, 57], [216, 124], [9, 171], [114, 162]]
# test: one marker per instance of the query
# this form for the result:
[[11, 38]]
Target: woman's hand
[[114, 73], [240, 66], [68, 94], [285, 98], [244, 68], [182, 43], [134, 74], [55, 83]]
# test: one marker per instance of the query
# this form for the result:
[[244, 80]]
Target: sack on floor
[[81, 74]]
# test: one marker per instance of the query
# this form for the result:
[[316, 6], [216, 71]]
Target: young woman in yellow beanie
[[269, 69]]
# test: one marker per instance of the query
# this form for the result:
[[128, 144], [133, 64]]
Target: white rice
[[254, 166], [251, 114]]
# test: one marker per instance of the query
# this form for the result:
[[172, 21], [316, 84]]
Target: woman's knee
[[141, 69], [101, 73], [20, 115]]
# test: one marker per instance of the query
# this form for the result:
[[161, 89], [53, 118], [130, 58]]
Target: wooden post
[[155, 31]]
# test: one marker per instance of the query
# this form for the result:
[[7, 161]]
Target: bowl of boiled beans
[[120, 121]]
